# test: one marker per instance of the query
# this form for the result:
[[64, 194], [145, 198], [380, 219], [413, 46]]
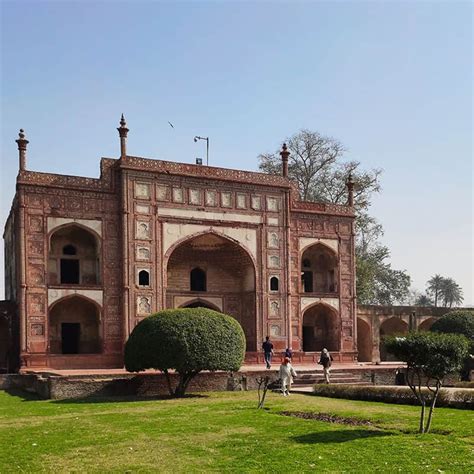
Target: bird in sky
[[171, 125]]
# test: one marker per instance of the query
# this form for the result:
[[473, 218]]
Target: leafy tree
[[429, 357], [315, 165], [188, 341], [423, 300]]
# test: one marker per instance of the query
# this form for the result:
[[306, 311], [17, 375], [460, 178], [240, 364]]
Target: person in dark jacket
[[326, 360], [267, 347]]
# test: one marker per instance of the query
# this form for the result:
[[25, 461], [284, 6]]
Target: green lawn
[[223, 432]]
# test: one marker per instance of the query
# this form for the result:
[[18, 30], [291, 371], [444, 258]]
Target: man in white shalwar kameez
[[286, 376]]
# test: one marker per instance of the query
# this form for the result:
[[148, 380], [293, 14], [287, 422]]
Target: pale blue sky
[[391, 80]]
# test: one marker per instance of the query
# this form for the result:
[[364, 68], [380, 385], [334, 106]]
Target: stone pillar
[[22, 143], [284, 153], [350, 190], [123, 132]]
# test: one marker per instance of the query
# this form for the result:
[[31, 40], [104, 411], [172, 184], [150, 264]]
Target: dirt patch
[[327, 417]]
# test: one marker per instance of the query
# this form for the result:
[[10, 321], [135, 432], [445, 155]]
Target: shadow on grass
[[33, 397], [339, 436]]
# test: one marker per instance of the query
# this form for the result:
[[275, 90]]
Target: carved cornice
[[322, 208], [223, 174]]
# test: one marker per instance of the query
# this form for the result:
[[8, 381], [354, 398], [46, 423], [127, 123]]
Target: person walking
[[326, 360], [286, 374], [267, 347]]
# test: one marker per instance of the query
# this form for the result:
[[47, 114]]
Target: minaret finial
[[284, 153], [350, 189], [22, 143], [123, 131]]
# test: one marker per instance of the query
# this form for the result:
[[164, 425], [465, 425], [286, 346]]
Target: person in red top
[[267, 347]]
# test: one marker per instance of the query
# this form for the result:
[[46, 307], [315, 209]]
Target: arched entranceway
[[73, 257], [214, 267], [426, 324], [390, 327], [320, 329], [74, 327], [364, 341], [319, 270]]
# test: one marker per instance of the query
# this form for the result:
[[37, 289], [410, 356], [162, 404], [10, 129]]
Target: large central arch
[[213, 268]]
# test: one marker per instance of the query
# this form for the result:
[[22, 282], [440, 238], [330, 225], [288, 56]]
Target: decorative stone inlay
[[143, 305], [275, 330], [180, 301], [142, 209], [93, 224], [241, 201], [274, 261], [305, 242], [272, 221], [256, 203], [307, 301], [178, 195], [161, 193], [272, 204], [211, 198], [142, 190], [274, 308], [195, 197], [273, 240], [142, 230], [226, 200], [37, 329], [143, 253], [55, 294]]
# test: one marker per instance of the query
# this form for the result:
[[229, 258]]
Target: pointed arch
[[320, 328], [319, 266], [364, 341]]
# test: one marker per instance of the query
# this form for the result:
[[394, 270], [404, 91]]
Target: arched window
[[274, 284], [143, 278], [198, 280], [69, 250]]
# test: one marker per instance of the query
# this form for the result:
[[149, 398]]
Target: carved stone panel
[[256, 203], [143, 253], [273, 240], [142, 231], [178, 195], [241, 201], [195, 197], [226, 200], [274, 261], [143, 305], [142, 190], [272, 204], [161, 193], [211, 198]]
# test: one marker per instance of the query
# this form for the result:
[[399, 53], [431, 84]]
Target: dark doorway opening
[[70, 337], [198, 280], [307, 282], [199, 304], [69, 271]]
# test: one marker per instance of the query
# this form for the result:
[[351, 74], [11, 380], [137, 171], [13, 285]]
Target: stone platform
[[83, 383]]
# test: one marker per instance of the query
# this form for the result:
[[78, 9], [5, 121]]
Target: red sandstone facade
[[87, 259]]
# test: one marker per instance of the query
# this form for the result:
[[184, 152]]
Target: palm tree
[[434, 287], [424, 300], [451, 292]]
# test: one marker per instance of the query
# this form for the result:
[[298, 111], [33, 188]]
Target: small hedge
[[186, 340], [458, 398]]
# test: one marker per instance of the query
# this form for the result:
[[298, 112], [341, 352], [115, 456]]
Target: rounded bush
[[456, 322], [187, 340]]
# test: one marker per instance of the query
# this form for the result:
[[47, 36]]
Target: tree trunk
[[432, 405]]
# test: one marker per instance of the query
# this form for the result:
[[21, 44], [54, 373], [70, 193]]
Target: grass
[[223, 432]]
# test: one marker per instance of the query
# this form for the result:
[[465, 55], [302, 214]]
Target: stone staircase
[[338, 376]]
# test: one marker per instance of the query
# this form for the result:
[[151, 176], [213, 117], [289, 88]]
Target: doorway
[[70, 337]]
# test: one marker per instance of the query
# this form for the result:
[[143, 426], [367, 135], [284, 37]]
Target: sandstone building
[[86, 259]]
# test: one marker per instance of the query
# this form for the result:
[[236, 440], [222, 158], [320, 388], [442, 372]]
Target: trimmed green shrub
[[456, 322], [429, 357], [186, 340], [395, 394], [460, 321]]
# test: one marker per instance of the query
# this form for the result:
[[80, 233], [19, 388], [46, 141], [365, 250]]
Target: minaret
[[123, 131], [284, 153], [350, 189], [22, 143]]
